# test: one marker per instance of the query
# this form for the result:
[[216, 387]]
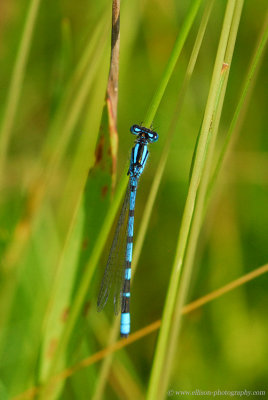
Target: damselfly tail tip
[[124, 335]]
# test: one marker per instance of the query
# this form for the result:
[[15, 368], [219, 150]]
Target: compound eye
[[135, 130], [152, 136]]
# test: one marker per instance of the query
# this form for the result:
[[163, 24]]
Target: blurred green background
[[48, 227]]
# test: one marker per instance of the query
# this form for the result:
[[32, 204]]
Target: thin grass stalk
[[256, 60], [184, 32], [112, 97], [199, 209], [97, 39], [112, 88], [17, 82], [106, 365], [75, 113], [89, 142], [186, 272], [162, 344]]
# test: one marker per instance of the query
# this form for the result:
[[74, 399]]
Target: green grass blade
[[184, 32], [87, 275], [163, 340], [61, 294], [252, 70], [199, 208], [17, 81]]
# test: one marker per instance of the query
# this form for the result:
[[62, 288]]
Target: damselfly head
[[145, 133]]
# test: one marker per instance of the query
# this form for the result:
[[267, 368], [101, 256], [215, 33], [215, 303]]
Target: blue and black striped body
[[139, 156]]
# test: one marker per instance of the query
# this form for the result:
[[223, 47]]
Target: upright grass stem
[[199, 208], [248, 82], [16, 82], [188, 22], [112, 87], [156, 390]]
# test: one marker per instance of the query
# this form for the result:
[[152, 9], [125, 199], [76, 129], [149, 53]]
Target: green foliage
[[60, 196]]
